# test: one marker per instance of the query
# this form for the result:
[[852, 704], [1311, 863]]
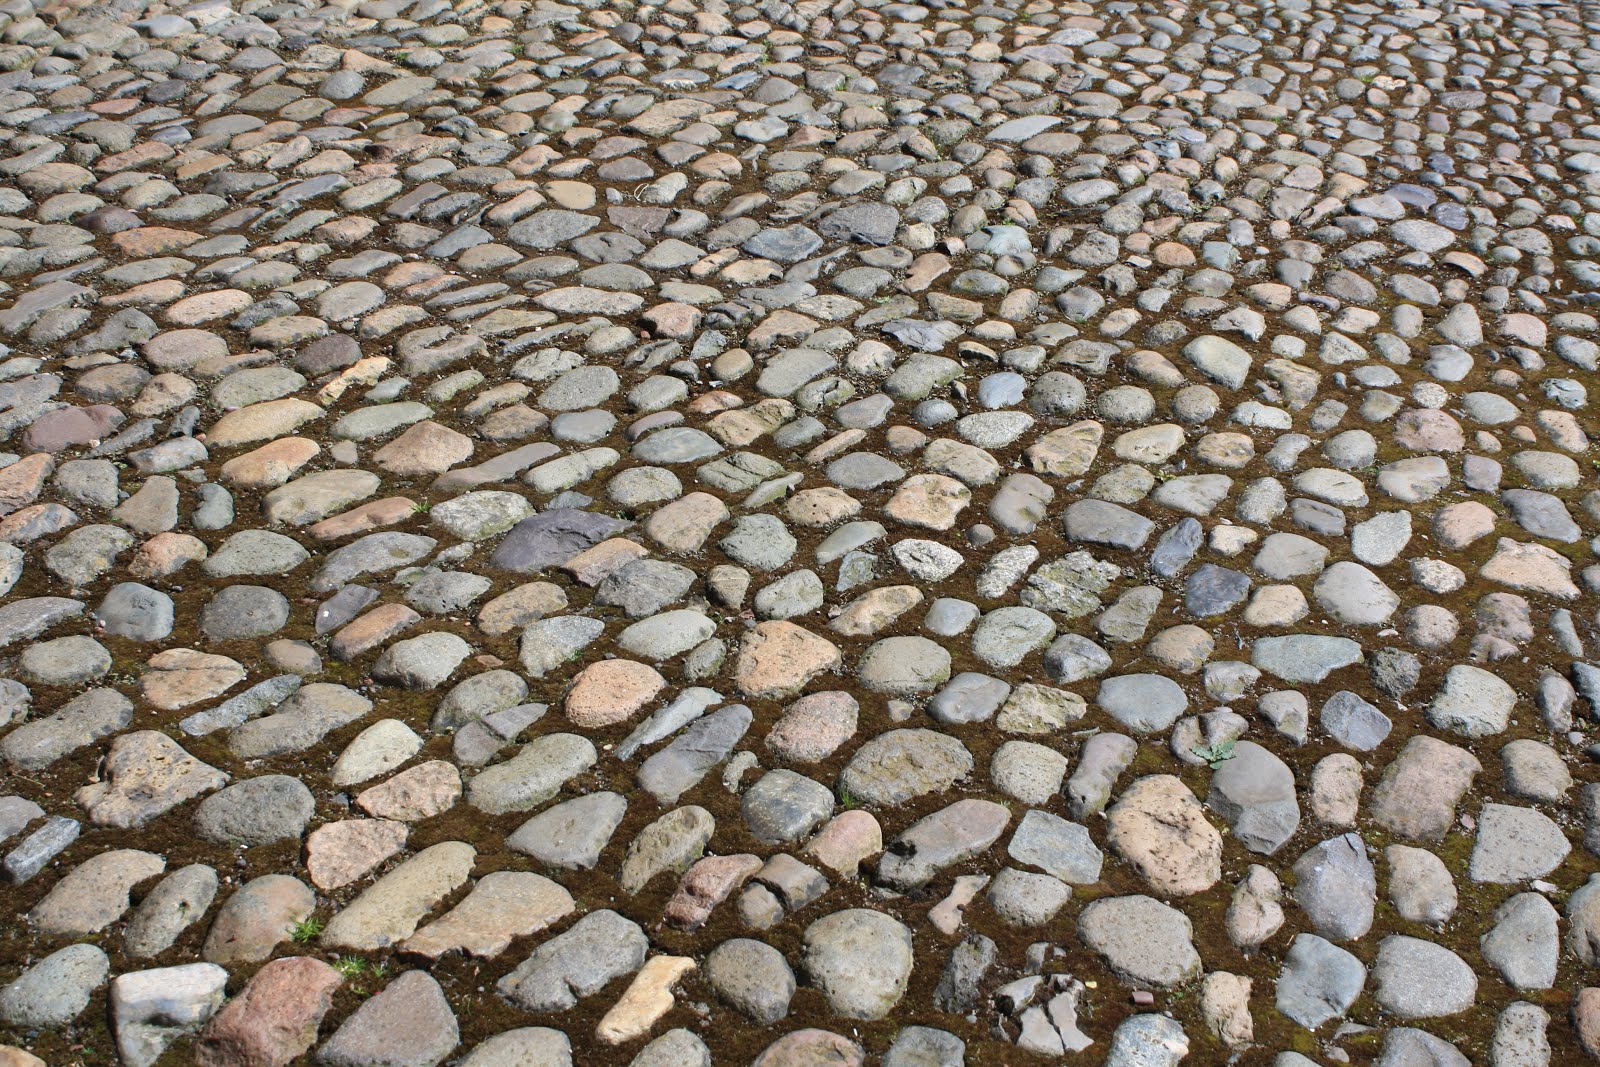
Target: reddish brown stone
[[64, 428], [22, 482], [274, 1019], [814, 727], [36, 521], [611, 691], [166, 554], [338, 853], [419, 792], [846, 840], [811, 1048], [153, 241], [707, 884], [371, 630], [1428, 430], [1458, 525], [1586, 1020], [673, 319], [426, 448], [272, 464], [179, 677], [138, 156], [379, 513], [778, 658], [594, 565]]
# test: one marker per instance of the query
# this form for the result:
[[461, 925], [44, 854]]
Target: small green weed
[[355, 968], [1216, 755]]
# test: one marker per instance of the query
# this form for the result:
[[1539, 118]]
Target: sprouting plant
[[421, 508], [307, 930], [350, 966], [353, 967], [847, 799], [1216, 755]]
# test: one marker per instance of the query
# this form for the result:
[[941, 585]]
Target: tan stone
[[259, 917], [166, 554], [611, 691], [595, 564], [501, 906], [845, 841], [821, 507], [925, 270], [1532, 567], [179, 677], [1429, 430], [1586, 1020], [339, 853], [389, 511], [778, 658], [145, 774], [932, 501], [163, 393], [207, 307], [575, 196], [150, 294], [414, 794], [1225, 1006], [1159, 827], [94, 894], [1067, 452], [315, 496], [1230, 451], [23, 481], [1276, 605], [522, 606], [262, 422], [367, 632], [270, 465], [178, 350], [1421, 787], [1149, 444], [683, 525], [646, 1000], [150, 241], [673, 319], [388, 911], [875, 609], [362, 372], [739, 428], [425, 448], [778, 328]]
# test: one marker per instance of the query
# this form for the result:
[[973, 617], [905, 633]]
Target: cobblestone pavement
[[820, 533]]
